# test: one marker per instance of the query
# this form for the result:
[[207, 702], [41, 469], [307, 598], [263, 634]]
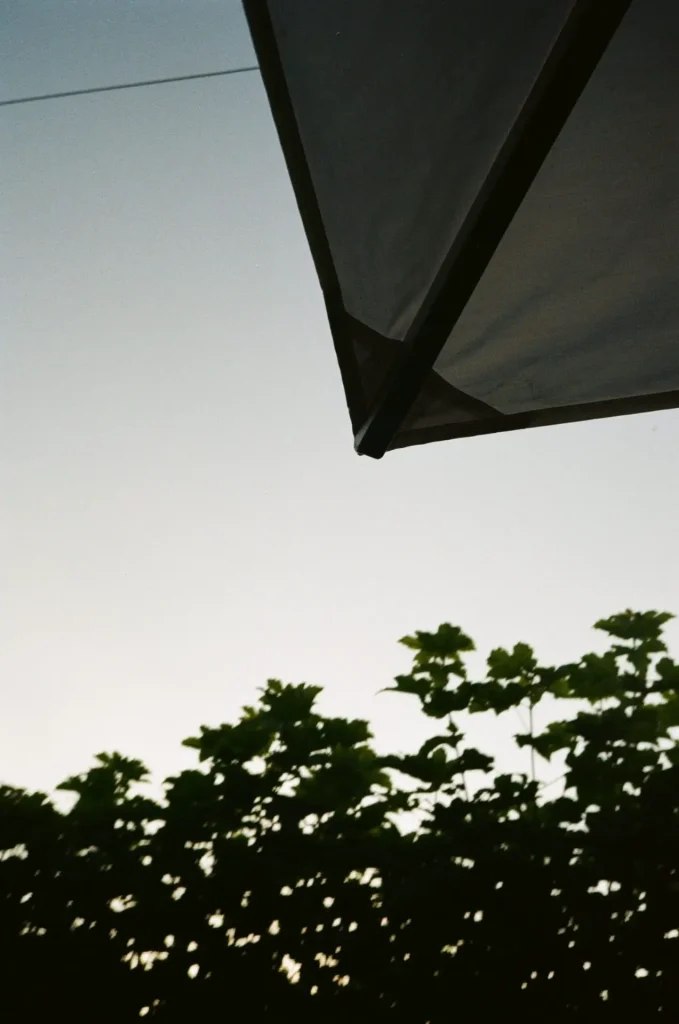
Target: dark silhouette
[[273, 884]]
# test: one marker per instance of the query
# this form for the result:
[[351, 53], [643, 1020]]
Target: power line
[[125, 85]]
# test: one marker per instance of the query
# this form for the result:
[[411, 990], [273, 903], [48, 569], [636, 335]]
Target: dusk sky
[[182, 511]]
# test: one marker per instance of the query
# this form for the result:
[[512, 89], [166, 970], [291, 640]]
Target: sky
[[182, 514]]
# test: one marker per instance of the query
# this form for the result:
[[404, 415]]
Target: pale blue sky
[[182, 511]]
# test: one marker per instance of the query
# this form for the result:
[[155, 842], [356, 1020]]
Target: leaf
[[668, 713], [447, 643], [412, 684], [557, 736], [668, 671], [563, 810], [289, 703], [510, 791], [596, 678], [472, 760], [433, 742], [495, 696], [441, 703], [434, 770], [639, 626], [560, 688], [519, 663], [343, 731]]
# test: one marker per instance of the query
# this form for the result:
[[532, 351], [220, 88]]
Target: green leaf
[[557, 736], [519, 663], [472, 760], [668, 672], [636, 626], [434, 742], [441, 703], [447, 643], [416, 685], [289, 703], [668, 713], [343, 732], [560, 688], [476, 707], [596, 678]]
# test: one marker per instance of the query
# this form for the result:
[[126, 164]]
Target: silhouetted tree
[[273, 883]]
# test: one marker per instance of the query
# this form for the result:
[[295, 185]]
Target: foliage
[[273, 882]]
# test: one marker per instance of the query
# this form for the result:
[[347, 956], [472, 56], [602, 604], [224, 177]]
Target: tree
[[274, 883]]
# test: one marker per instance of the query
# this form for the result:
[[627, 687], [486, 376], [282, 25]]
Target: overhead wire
[[126, 85]]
